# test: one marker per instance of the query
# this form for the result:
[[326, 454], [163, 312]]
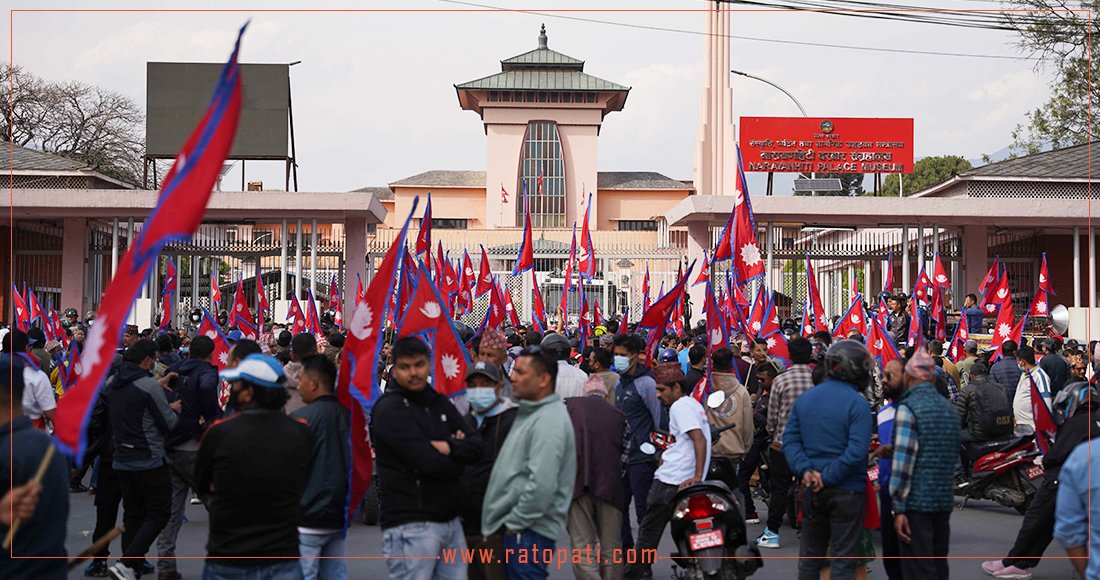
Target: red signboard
[[827, 144]]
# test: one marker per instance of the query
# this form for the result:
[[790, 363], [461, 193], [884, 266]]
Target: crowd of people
[[548, 439]]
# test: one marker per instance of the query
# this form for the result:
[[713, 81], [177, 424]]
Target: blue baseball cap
[[257, 369], [234, 335]]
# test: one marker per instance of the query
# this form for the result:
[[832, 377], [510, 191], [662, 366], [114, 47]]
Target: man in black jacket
[[491, 416], [1054, 365], [254, 466], [196, 388], [1076, 409], [1006, 372], [421, 444], [141, 418], [324, 502]]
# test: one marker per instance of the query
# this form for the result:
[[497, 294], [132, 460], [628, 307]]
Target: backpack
[[994, 409]]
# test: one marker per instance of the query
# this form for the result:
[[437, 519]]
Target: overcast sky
[[374, 100]]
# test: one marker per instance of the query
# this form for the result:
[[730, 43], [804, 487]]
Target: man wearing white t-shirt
[[683, 463], [38, 396]]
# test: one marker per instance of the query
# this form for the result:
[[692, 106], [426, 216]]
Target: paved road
[[981, 531]]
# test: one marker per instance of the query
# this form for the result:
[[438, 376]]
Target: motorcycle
[[708, 526], [1003, 470]]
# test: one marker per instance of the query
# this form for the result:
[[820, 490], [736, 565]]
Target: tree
[[1063, 36], [75, 120], [927, 172], [850, 184]]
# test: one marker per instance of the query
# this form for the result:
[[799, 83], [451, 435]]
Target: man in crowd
[[893, 377], [1006, 371], [683, 354], [1054, 365], [531, 486], [926, 447], [935, 348], [39, 544], [491, 415], [302, 345], [421, 444], [1075, 410], [734, 443], [324, 501], [141, 419], [493, 349], [254, 465], [786, 389], [683, 463], [1021, 402], [972, 314], [759, 354], [1078, 367], [600, 360], [38, 396], [765, 376], [970, 353], [985, 412], [898, 322], [197, 391], [595, 520], [636, 397], [1077, 517], [570, 379], [825, 442], [697, 367]]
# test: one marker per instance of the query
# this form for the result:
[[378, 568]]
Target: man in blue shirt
[[892, 389], [1077, 520], [972, 313], [825, 443]]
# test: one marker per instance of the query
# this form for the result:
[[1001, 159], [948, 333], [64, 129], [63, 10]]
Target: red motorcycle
[[1003, 470]]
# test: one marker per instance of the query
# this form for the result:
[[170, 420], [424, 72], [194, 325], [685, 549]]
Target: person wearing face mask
[[493, 349], [636, 397], [491, 415]]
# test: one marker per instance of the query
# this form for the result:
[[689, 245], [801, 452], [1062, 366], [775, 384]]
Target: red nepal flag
[[70, 369], [924, 284], [704, 273], [778, 347], [883, 312], [54, 330], [539, 309], [496, 314], [567, 287], [938, 314], [262, 304], [739, 237], [359, 296], [510, 308], [1044, 421], [36, 310], [916, 335], [215, 290], [1003, 329], [465, 294], [296, 316], [939, 276], [997, 296], [177, 214], [656, 316], [169, 277], [333, 292], [717, 330], [597, 315], [441, 268], [756, 319], [424, 237], [1039, 305], [1044, 277], [241, 316], [468, 272], [210, 329], [888, 283], [526, 258], [503, 194], [771, 318], [338, 313], [955, 348], [645, 289], [358, 377], [538, 184], [586, 263], [817, 308], [807, 320], [427, 314], [485, 278], [880, 344], [584, 318], [450, 278], [991, 277], [165, 311], [314, 321], [22, 315]]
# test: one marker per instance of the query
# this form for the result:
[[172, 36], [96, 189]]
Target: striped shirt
[[1021, 402], [788, 386]]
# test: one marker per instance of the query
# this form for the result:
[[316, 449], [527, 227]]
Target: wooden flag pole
[[45, 463], [95, 547]]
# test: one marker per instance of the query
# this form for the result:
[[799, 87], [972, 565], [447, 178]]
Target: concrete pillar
[[1076, 266], [283, 243], [868, 293], [313, 255], [298, 262], [355, 251], [975, 256], [698, 243], [920, 249], [74, 247], [114, 250], [1092, 270], [905, 258], [851, 283], [769, 276]]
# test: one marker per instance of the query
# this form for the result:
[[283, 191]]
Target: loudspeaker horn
[[1059, 319]]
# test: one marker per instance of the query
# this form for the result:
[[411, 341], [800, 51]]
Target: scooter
[[708, 526], [1004, 470]]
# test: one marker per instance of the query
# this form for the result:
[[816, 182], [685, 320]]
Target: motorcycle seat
[[974, 450]]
